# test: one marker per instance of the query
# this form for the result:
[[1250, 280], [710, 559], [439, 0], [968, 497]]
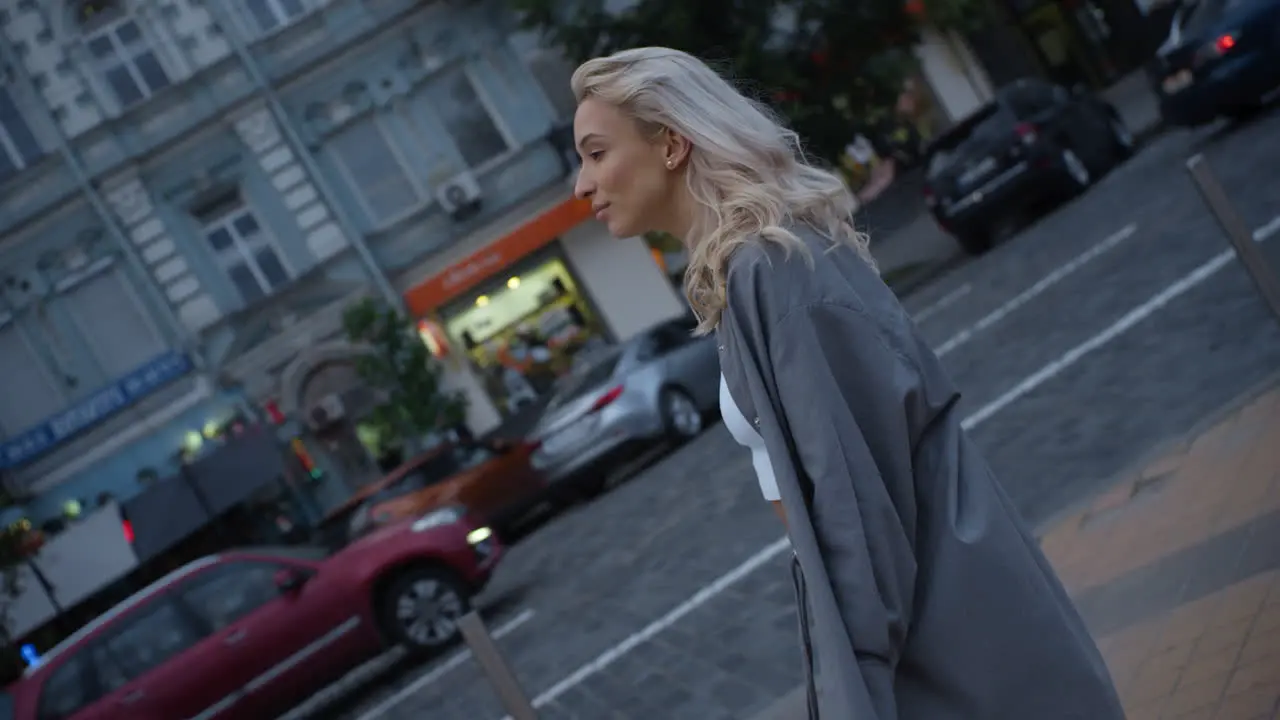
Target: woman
[[928, 598]]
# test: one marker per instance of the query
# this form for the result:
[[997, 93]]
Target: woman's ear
[[676, 148]]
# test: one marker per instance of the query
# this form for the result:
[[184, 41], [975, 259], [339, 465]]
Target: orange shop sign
[[475, 268]]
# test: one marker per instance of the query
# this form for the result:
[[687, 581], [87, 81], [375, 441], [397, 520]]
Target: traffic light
[[308, 465]]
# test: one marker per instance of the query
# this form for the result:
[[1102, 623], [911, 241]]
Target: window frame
[[10, 146], [6, 320], [441, 76], [65, 288], [282, 18], [380, 122], [88, 679], [224, 219], [123, 55]]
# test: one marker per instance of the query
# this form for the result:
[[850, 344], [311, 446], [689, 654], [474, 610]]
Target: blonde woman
[[922, 594]]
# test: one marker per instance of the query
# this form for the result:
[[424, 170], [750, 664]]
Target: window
[[587, 380], [1029, 98], [229, 592], [113, 322], [375, 170], [66, 691], [271, 14], [244, 251], [18, 147], [146, 639], [125, 59], [453, 98], [31, 393]]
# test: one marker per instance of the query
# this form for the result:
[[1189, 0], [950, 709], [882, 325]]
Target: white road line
[[1116, 329], [440, 670], [943, 303], [1048, 281], [1181, 287]]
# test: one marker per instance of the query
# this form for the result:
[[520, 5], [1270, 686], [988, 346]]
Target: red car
[[249, 634]]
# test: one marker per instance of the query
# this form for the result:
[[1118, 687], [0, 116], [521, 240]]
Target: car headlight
[[437, 518]]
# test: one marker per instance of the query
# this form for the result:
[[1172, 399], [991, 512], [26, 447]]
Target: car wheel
[[422, 606], [681, 415], [1077, 173], [1122, 140]]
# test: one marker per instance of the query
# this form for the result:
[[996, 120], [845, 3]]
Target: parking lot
[[1085, 340]]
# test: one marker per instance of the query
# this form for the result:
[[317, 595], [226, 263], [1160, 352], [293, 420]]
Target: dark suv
[[1034, 145]]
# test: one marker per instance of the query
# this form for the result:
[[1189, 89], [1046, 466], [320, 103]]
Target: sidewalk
[[1177, 572]]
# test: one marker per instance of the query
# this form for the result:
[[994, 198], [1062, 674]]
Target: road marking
[[1026, 296], [943, 303], [1181, 287], [1206, 270], [440, 670]]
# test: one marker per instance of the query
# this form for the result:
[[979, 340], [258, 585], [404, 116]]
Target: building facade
[[191, 193]]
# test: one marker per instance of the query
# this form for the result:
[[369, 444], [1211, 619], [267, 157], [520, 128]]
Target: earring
[[671, 164]]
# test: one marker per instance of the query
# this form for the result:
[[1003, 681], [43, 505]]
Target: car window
[[66, 690], [142, 642], [1028, 99], [231, 591], [588, 379], [949, 146]]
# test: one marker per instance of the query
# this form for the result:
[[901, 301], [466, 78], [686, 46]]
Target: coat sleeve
[[847, 400]]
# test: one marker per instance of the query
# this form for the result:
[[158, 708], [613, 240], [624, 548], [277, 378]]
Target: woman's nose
[[582, 187]]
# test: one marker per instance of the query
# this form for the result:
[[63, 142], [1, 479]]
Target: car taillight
[[1026, 132], [533, 445], [1224, 44], [604, 400]]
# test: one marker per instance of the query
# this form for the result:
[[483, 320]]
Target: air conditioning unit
[[328, 411], [459, 196]]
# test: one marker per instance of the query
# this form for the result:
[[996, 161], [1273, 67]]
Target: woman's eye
[[595, 155]]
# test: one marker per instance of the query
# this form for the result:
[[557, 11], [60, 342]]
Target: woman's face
[[629, 178]]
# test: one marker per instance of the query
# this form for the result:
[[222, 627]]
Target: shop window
[[524, 331], [18, 146], [113, 321], [31, 392], [271, 14], [243, 250], [376, 170], [453, 98], [120, 51]]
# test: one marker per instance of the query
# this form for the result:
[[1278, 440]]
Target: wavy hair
[[746, 170]]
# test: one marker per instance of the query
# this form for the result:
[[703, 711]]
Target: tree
[[398, 365], [828, 66]]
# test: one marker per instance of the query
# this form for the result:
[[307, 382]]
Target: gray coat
[[925, 596]]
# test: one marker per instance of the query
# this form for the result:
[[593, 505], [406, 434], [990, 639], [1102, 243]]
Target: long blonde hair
[[746, 169]]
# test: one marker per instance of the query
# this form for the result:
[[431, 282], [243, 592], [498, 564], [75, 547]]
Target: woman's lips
[[600, 213]]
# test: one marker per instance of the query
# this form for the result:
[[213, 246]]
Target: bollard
[[495, 667], [1264, 276]]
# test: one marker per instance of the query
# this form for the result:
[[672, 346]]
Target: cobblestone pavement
[[1028, 332]]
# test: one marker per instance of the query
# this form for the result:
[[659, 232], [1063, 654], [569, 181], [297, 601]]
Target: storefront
[[517, 313]]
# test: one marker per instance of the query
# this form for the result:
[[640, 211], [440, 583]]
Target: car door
[[68, 692], [689, 362], [156, 664], [280, 646]]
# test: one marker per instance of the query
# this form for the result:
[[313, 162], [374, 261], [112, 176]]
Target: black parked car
[[1222, 57], [1036, 144]]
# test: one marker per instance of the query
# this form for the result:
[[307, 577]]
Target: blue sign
[[158, 372]]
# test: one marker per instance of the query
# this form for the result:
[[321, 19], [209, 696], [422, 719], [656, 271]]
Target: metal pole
[[1238, 233], [504, 681], [303, 153]]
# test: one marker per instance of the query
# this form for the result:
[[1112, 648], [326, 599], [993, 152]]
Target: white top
[[747, 437]]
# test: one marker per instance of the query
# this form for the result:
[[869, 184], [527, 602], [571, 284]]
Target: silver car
[[658, 385]]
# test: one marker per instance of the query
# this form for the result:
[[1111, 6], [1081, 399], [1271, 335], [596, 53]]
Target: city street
[[1079, 344]]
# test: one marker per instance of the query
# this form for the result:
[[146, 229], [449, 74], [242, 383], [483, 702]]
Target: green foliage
[[837, 65], [399, 366]]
